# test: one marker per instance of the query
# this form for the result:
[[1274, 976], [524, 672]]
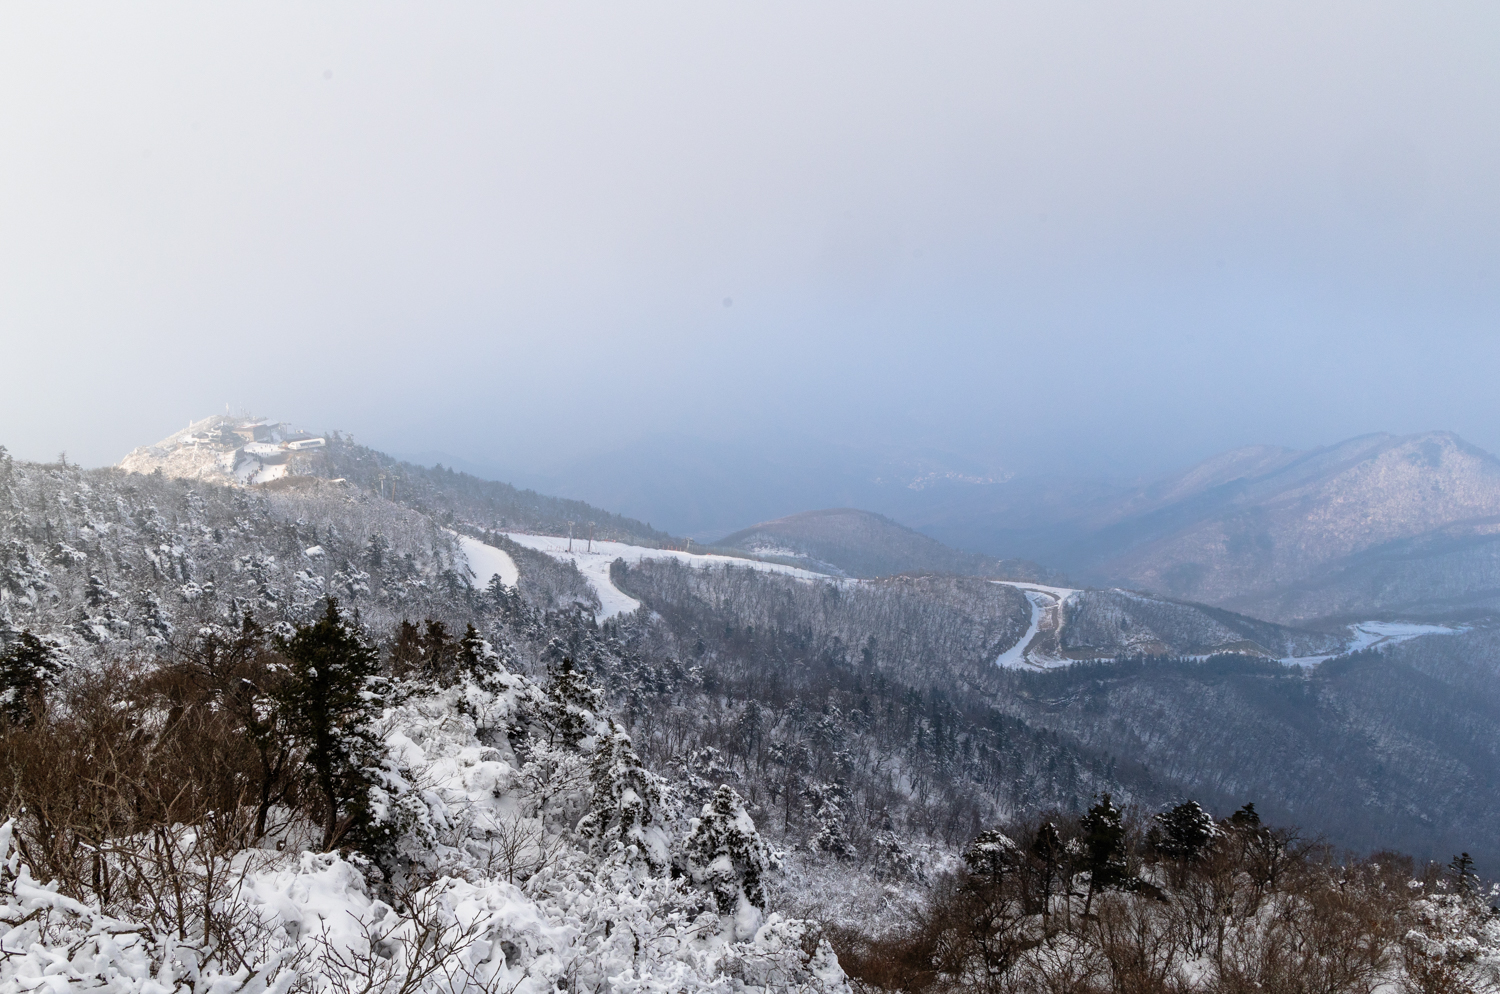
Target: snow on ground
[[486, 561], [1014, 658], [593, 562], [1368, 634], [1046, 611], [1057, 593], [1376, 634]]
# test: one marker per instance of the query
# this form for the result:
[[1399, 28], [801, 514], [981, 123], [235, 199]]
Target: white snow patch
[[1057, 593], [1014, 658], [1368, 634], [593, 561], [486, 561], [1377, 634], [1046, 609]]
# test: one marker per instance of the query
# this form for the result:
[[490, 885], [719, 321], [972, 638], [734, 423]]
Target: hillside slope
[[849, 542], [255, 451], [838, 707], [1378, 525], [1379, 748]]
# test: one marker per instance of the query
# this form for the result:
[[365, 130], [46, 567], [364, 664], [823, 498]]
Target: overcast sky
[[1079, 236]]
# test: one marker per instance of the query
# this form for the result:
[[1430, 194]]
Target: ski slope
[[1046, 613], [593, 561], [1377, 635], [486, 561]]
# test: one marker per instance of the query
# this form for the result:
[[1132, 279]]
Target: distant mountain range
[[1376, 526], [844, 541], [1041, 685]]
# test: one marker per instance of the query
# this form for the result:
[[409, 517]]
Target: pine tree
[[826, 800], [1104, 849], [27, 669], [1184, 833], [572, 704], [1048, 854], [406, 649], [726, 855], [241, 678], [1245, 819], [331, 697], [476, 656], [991, 855], [627, 800], [1465, 880], [439, 652]]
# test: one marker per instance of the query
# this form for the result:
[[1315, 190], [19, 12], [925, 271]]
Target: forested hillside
[[1367, 750], [450, 496], [761, 772], [100, 556], [848, 542], [216, 449]]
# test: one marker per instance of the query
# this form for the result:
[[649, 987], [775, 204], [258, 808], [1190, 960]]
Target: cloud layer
[[1076, 236]]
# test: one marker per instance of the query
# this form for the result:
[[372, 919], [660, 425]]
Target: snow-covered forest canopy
[[283, 738]]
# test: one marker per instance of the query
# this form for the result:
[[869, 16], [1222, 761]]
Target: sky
[[1067, 237]]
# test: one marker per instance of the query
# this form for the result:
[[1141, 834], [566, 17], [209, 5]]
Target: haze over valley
[[694, 499]]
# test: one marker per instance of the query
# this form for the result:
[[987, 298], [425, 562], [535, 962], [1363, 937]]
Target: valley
[[873, 698]]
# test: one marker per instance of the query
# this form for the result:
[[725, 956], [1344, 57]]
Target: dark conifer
[[27, 669], [1183, 833], [1103, 836], [331, 697]]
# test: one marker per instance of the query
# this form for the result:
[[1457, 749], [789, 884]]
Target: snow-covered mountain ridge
[[1377, 525], [849, 542], [227, 449], [863, 723]]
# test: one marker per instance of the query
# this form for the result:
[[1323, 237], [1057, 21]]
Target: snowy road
[[1046, 617], [1377, 635], [593, 562], [486, 561]]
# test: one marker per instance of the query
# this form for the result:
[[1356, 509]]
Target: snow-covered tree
[[330, 697], [825, 801], [626, 811], [476, 656], [1185, 832], [991, 855], [572, 706], [1103, 839], [726, 855], [27, 667]]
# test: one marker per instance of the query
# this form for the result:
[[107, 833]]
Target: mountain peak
[[242, 450]]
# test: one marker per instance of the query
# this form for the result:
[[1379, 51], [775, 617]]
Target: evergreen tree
[[406, 649], [627, 800], [1048, 854], [242, 679], [572, 704], [1245, 819], [27, 669], [476, 656], [826, 801], [331, 697], [1465, 880], [726, 855], [991, 855], [1103, 838], [439, 652], [1183, 833]]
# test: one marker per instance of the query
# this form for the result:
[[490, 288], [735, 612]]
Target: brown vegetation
[[1251, 910]]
